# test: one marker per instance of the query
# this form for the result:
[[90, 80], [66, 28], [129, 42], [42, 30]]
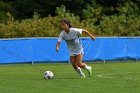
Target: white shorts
[[77, 52]]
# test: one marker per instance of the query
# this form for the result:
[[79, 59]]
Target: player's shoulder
[[76, 29], [73, 29], [62, 32]]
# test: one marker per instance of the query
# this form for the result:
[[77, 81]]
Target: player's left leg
[[83, 65]]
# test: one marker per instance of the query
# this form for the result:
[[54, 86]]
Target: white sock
[[87, 67], [79, 71]]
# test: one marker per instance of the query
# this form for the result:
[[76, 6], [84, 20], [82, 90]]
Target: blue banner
[[25, 50]]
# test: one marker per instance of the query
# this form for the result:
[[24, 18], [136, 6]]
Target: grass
[[107, 78]]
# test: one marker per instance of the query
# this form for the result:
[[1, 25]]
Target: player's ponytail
[[67, 22]]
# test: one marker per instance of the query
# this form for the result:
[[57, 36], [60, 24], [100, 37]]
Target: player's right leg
[[77, 69]]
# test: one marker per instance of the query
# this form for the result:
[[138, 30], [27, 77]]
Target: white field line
[[109, 75]]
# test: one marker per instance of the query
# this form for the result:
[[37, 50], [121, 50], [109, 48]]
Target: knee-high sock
[[79, 71]]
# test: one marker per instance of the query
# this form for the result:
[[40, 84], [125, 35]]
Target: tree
[[4, 9]]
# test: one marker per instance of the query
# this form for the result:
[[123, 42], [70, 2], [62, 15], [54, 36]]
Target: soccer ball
[[48, 74]]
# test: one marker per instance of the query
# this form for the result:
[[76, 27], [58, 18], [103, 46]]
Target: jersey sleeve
[[60, 38], [78, 31]]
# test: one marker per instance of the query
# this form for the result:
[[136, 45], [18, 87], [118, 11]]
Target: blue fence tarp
[[43, 49]]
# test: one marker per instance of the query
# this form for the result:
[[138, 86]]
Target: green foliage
[[119, 26], [92, 12], [63, 13], [30, 28], [126, 22], [128, 8], [4, 9]]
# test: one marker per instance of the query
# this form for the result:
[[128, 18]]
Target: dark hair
[[67, 22]]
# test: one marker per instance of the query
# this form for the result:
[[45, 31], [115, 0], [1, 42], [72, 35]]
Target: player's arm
[[57, 46], [60, 38], [88, 33]]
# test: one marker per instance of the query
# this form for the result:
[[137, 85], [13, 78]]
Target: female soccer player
[[75, 47]]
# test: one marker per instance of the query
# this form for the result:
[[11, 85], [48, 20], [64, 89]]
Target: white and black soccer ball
[[48, 74]]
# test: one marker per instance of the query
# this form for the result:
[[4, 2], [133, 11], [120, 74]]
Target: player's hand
[[57, 49], [92, 37], [57, 46]]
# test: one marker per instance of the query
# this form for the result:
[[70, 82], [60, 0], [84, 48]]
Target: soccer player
[[75, 47]]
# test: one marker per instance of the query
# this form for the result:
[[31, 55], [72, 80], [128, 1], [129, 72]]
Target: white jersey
[[72, 39]]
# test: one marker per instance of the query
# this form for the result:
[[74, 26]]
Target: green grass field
[[107, 78]]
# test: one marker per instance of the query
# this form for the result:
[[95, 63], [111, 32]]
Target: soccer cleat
[[83, 76], [90, 71]]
